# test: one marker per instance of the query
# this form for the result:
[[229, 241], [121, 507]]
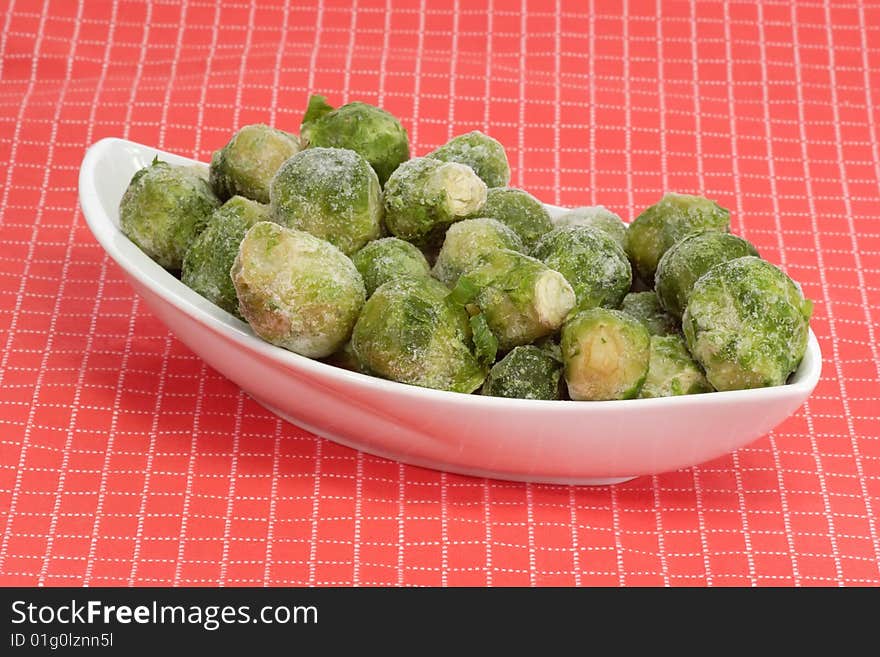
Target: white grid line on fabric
[[163, 375], [591, 77], [546, 80], [188, 489], [477, 12], [81, 371], [781, 239], [10, 515], [273, 503], [869, 322], [10, 12], [148, 468]]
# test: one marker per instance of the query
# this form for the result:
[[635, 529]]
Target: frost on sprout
[[481, 153], [606, 355], [672, 371], [164, 209], [389, 259], [208, 260], [370, 131], [667, 221], [522, 299], [246, 165], [468, 241], [591, 261], [596, 216], [410, 331], [295, 290], [331, 193], [645, 307], [519, 210], [691, 257], [423, 196], [747, 324], [526, 372]]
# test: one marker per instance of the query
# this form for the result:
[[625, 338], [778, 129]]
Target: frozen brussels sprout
[[672, 371], [208, 260], [164, 209], [372, 132], [388, 259], [246, 165], [645, 307], [596, 216], [331, 193], [410, 331], [606, 355], [593, 263], [423, 196], [295, 290], [667, 221], [747, 324], [526, 372], [481, 153], [690, 258], [346, 359], [518, 210], [468, 241], [521, 298]]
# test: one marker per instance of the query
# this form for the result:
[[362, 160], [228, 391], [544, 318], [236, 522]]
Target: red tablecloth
[[124, 459]]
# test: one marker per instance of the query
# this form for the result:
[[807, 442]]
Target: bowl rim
[[163, 284]]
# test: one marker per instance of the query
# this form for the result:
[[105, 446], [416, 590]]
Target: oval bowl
[[562, 442]]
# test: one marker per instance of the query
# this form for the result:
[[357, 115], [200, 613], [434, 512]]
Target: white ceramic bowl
[[539, 441]]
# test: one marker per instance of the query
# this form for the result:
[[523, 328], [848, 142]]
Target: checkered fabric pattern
[[125, 460]]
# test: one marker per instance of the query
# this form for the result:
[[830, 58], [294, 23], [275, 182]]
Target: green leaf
[[485, 342], [464, 291], [318, 107]]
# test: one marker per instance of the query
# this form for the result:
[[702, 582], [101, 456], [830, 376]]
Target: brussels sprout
[[467, 241], [246, 165], [208, 260], [388, 259], [481, 153], [591, 261], [596, 216], [331, 193], [645, 307], [410, 331], [295, 290], [423, 196], [672, 371], [527, 372], [372, 132], [346, 359], [606, 355], [747, 324], [521, 298], [164, 209], [664, 223], [690, 258], [520, 211]]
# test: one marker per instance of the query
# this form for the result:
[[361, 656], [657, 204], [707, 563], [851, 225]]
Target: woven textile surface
[[125, 460]]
